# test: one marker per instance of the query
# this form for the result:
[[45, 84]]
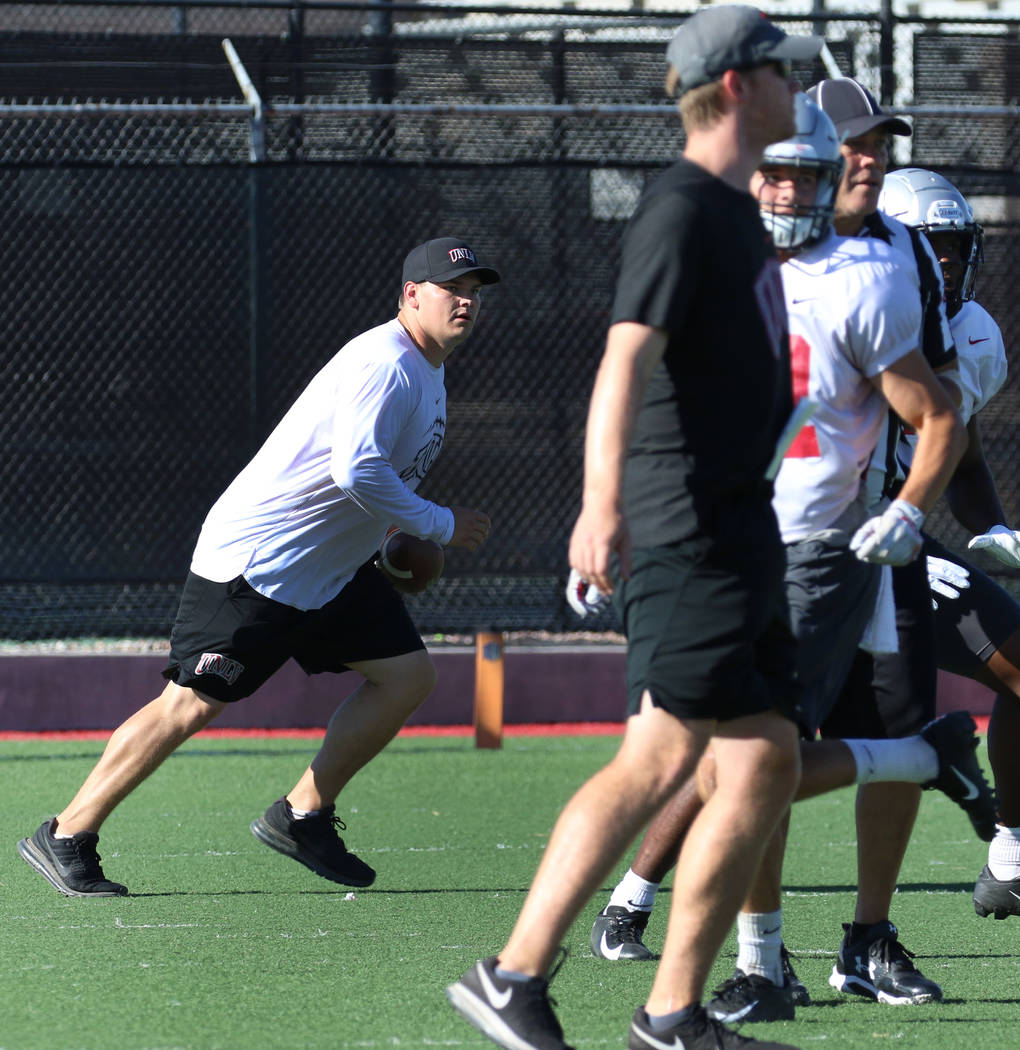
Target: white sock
[[303, 814], [759, 939], [634, 893], [910, 759], [1004, 853]]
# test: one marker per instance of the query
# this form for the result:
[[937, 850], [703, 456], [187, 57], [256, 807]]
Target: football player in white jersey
[[854, 312], [977, 622], [284, 569]]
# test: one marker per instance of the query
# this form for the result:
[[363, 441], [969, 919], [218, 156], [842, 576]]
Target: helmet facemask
[[814, 147], [933, 205]]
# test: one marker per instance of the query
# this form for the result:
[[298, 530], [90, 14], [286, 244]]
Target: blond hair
[[701, 107]]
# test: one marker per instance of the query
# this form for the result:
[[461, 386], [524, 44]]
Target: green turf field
[[225, 945]]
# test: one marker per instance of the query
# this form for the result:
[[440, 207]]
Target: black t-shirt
[[697, 263]]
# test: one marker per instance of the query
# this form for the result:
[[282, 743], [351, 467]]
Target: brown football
[[411, 564]]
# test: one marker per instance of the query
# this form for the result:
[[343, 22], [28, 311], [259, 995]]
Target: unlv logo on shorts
[[213, 663]]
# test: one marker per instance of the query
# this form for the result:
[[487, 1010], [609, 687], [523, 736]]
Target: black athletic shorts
[[968, 629], [708, 634], [893, 694], [228, 639]]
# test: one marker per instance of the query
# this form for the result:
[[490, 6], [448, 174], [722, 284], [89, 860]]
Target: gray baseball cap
[[444, 259], [732, 36], [853, 109]]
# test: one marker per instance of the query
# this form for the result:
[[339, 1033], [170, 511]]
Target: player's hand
[[470, 528], [584, 597], [1001, 542], [892, 538], [946, 578], [598, 534]]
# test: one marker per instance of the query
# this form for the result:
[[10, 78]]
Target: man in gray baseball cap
[[731, 36], [853, 109]]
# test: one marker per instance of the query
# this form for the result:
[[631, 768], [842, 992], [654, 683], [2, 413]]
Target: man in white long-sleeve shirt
[[284, 569]]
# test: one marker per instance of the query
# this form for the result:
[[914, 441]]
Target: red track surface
[[534, 729]]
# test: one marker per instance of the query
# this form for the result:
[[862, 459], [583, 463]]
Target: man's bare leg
[[137, 748], [657, 754], [364, 724], [757, 770]]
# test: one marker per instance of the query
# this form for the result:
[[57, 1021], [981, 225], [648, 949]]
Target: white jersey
[[980, 373], [854, 309], [316, 500]]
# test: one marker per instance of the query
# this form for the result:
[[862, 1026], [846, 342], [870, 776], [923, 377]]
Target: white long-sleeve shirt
[[339, 469]]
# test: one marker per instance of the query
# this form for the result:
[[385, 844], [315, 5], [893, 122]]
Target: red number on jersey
[[805, 444]]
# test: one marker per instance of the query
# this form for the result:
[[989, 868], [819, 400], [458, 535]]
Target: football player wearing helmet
[[854, 310], [977, 622]]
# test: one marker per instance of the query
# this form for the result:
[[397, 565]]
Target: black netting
[[164, 300]]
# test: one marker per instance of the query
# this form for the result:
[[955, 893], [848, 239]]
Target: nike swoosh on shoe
[[738, 1015], [647, 1037], [496, 998], [609, 953], [972, 791]]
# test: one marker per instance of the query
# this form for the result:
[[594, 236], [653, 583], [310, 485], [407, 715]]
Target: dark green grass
[[225, 945]]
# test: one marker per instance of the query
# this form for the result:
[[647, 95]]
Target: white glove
[[892, 538], [584, 597], [946, 578], [1001, 542]]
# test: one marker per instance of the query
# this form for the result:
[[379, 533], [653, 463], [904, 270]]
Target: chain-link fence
[[165, 297]]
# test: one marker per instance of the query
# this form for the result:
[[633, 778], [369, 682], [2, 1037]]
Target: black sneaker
[[616, 934], [71, 865], [700, 1033], [960, 777], [517, 1015], [992, 897], [799, 995], [747, 997], [878, 967], [314, 842]]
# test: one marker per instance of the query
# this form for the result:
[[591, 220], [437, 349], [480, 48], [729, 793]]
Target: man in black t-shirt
[[690, 399]]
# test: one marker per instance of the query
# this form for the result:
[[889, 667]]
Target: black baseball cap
[[443, 259], [853, 109], [732, 36]]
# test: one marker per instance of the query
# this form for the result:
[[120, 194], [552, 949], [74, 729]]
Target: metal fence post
[[887, 74], [258, 254]]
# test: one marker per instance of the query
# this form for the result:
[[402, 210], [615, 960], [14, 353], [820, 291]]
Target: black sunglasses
[[781, 66]]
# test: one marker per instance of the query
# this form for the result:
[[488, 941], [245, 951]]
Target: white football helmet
[[814, 146], [932, 204]]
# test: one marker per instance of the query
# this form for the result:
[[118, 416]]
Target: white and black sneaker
[[701, 1032], [748, 997], [874, 964], [992, 896], [616, 934], [517, 1015], [954, 737]]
